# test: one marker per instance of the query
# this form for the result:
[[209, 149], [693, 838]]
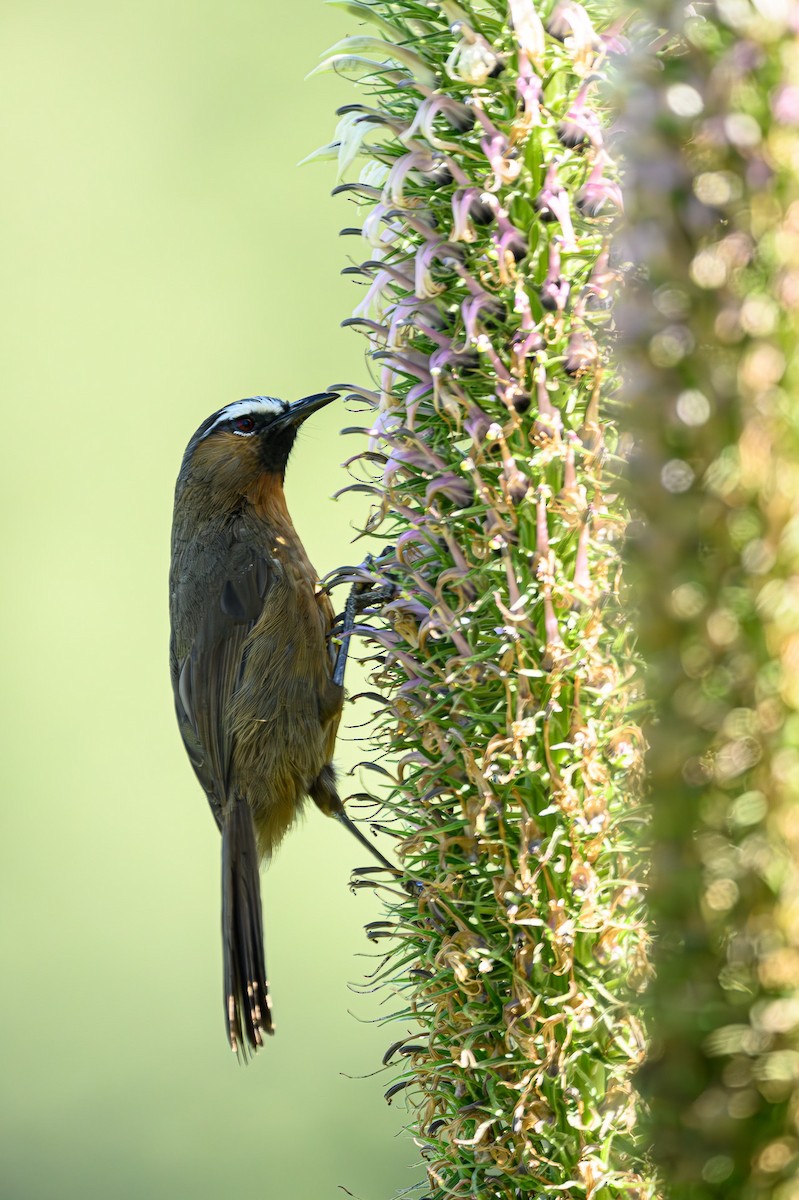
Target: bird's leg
[[362, 594], [347, 629], [348, 823]]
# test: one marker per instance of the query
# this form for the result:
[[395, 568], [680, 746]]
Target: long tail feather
[[247, 1009]]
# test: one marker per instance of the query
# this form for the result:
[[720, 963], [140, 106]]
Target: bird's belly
[[283, 731]]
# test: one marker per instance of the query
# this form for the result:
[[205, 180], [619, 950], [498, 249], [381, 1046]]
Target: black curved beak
[[300, 410]]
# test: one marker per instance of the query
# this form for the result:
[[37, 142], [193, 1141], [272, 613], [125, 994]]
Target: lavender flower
[[570, 21], [509, 239], [598, 192], [458, 116], [552, 204], [554, 293], [581, 353], [581, 128], [528, 88], [471, 207]]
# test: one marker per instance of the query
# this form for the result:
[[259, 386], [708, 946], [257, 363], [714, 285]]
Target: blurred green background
[[162, 255]]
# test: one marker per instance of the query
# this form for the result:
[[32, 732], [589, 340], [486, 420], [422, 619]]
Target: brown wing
[[212, 617]]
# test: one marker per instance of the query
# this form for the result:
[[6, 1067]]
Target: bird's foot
[[371, 586]]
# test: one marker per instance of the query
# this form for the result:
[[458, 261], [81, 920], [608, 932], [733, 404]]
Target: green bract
[[487, 196]]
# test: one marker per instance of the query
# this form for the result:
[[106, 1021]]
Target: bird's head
[[246, 440]]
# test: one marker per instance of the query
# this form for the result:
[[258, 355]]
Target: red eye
[[244, 424]]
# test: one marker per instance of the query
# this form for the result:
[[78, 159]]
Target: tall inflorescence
[[711, 342], [487, 195]]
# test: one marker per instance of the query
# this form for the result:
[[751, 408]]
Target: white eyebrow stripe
[[253, 406]]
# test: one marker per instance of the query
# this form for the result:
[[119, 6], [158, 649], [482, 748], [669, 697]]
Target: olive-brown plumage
[[252, 667]]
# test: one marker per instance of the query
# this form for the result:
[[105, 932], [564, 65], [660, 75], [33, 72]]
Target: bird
[[257, 679]]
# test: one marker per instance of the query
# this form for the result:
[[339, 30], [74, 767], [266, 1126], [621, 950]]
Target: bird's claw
[[370, 586]]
